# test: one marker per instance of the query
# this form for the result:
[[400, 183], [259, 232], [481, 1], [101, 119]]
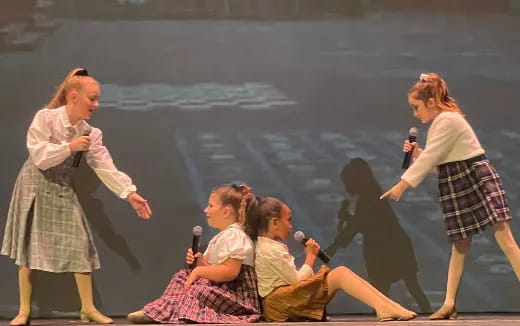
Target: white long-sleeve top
[[450, 138], [275, 267], [48, 141]]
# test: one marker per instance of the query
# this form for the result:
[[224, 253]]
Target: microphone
[[197, 231], [77, 157], [300, 237], [412, 137]]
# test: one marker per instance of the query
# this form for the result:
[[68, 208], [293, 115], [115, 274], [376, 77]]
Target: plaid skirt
[[471, 196], [306, 300], [208, 302], [46, 227]]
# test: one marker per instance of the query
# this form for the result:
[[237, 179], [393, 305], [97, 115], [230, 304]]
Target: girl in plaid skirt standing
[[290, 294], [222, 287], [471, 193], [46, 227]]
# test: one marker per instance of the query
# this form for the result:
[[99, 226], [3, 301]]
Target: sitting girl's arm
[[224, 272], [282, 265], [199, 258]]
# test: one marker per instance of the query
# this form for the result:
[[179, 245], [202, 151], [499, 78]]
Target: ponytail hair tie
[[82, 72]]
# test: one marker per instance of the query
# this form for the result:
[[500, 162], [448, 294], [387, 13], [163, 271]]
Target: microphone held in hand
[[77, 157], [412, 138], [197, 231], [300, 237]]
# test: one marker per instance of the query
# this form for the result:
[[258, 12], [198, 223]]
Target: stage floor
[[349, 320]]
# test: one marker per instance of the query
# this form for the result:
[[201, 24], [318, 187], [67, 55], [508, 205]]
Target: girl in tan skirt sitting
[[290, 294]]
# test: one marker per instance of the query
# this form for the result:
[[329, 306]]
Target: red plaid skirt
[[471, 196], [208, 302]]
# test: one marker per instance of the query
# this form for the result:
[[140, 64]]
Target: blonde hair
[[239, 198], [75, 80], [432, 86]]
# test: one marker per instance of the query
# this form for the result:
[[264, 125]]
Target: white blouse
[[275, 267], [48, 141], [450, 138], [231, 242]]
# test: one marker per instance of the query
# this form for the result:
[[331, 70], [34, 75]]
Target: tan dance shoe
[[21, 320], [400, 315], [444, 312], [96, 317], [139, 317]]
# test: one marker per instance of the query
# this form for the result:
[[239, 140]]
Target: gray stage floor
[[350, 320]]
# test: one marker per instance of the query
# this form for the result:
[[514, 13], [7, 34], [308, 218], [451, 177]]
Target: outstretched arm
[[397, 191], [141, 206], [100, 160]]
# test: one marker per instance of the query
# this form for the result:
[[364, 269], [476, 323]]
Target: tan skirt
[[304, 300]]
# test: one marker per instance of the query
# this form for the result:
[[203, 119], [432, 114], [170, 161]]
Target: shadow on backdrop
[[85, 183], [57, 292], [387, 250]]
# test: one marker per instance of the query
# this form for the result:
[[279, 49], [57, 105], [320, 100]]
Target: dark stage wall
[[282, 95]]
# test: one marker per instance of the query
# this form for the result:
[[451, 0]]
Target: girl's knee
[[503, 235], [462, 245], [338, 273], [342, 269], [506, 242]]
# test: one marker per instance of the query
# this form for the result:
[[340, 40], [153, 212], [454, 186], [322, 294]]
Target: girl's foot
[[400, 314], [139, 317], [21, 319], [444, 312], [95, 316]]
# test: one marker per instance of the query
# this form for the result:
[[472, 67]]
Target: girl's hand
[[407, 146], [397, 191], [80, 144], [140, 205], [190, 257], [312, 247], [192, 278]]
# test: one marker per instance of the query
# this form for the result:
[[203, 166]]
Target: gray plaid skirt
[[471, 196], [46, 227]]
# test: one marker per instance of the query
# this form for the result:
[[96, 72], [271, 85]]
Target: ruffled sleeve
[[235, 244], [230, 243]]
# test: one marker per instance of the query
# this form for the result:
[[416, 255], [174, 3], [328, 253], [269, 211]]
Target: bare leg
[[342, 278], [458, 256], [507, 243], [459, 250], [382, 294], [25, 288], [88, 310]]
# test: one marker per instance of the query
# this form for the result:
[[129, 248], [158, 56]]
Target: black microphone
[[412, 137], [77, 157], [197, 231], [300, 237]]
